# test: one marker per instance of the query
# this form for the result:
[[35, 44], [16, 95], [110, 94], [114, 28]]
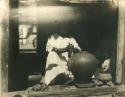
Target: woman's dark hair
[[63, 34]]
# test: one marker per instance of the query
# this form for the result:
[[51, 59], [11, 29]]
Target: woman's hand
[[70, 48]]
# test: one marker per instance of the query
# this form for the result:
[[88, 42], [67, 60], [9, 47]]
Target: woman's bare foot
[[38, 87]]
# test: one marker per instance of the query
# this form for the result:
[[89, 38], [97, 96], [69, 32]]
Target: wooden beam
[[66, 92], [120, 42], [82, 91], [4, 39], [87, 1]]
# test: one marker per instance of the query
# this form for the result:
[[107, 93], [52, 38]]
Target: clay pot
[[83, 65], [34, 78], [104, 77]]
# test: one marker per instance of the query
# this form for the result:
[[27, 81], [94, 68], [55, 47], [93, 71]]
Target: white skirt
[[56, 65]]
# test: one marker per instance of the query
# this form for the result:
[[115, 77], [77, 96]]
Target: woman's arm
[[75, 45], [59, 50]]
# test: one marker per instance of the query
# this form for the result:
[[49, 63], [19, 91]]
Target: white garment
[[54, 58]]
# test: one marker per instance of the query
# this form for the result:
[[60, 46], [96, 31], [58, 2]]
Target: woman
[[59, 48]]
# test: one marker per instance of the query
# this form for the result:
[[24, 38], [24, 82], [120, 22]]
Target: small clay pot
[[104, 77], [35, 77]]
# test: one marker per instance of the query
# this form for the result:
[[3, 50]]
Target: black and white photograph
[[62, 48]]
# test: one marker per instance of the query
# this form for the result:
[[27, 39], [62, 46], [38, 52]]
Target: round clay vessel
[[83, 65]]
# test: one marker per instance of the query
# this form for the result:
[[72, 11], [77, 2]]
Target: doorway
[[94, 26]]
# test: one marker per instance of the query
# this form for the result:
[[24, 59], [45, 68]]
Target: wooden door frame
[[120, 71], [120, 64], [4, 45]]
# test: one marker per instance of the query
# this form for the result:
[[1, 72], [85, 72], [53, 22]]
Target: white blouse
[[60, 42]]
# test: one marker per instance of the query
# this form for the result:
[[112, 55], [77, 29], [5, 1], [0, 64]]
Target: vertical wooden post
[[120, 43], [4, 39]]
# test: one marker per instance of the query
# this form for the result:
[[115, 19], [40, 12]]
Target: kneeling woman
[[60, 48]]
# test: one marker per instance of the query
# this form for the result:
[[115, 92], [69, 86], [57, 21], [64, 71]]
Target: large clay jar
[[83, 65]]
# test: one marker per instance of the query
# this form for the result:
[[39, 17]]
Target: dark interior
[[94, 26]]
